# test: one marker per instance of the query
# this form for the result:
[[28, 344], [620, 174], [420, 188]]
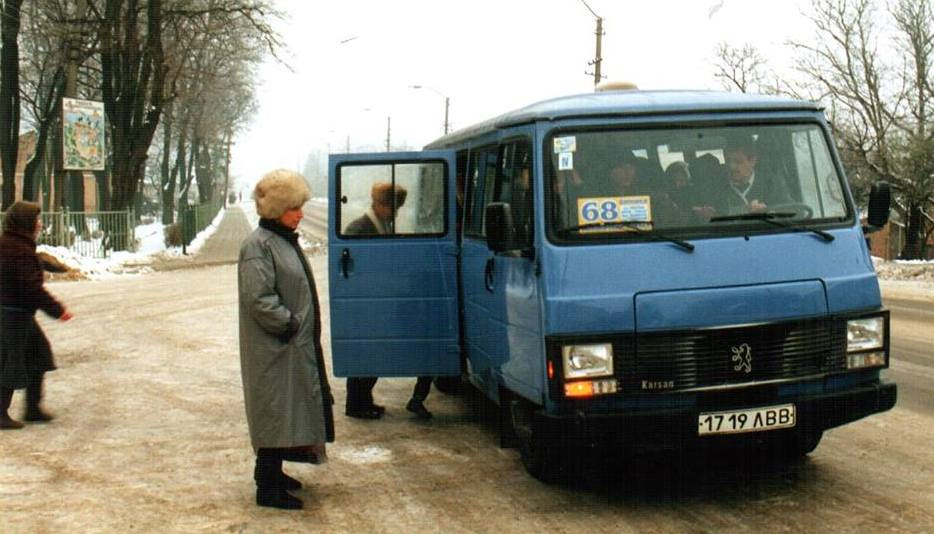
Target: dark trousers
[[360, 391], [33, 394], [422, 387]]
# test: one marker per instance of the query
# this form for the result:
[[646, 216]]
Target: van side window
[[481, 174], [384, 200], [514, 186]]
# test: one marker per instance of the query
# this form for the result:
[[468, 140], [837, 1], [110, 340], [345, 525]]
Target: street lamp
[[447, 103]]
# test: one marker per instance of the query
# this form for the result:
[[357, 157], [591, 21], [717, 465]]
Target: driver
[[744, 190]]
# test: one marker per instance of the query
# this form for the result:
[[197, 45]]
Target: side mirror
[[880, 198], [498, 226]]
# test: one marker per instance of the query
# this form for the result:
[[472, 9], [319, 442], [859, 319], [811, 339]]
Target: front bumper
[[661, 428]]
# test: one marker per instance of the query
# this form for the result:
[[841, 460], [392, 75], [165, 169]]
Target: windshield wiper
[[631, 225], [775, 218]]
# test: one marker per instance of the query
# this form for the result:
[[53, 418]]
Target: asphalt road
[[912, 356], [150, 436]]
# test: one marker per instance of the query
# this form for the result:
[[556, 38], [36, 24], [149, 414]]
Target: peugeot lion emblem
[[742, 356]]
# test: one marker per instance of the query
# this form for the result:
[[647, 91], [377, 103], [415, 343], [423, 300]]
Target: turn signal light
[[578, 389], [589, 388]]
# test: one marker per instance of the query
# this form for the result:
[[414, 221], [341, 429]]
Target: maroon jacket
[[21, 277]]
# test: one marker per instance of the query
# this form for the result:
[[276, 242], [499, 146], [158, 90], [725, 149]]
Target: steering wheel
[[801, 210]]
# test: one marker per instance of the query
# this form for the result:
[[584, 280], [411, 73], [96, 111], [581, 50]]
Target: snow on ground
[[150, 248]]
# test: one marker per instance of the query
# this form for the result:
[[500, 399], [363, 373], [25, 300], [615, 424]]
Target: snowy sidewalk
[[223, 246]]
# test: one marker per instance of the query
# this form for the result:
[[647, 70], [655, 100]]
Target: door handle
[[345, 263], [488, 275]]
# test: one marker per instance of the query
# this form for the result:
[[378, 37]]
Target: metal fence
[[94, 234], [196, 218]]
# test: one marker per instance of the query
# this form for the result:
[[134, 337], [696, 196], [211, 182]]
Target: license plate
[[755, 420]]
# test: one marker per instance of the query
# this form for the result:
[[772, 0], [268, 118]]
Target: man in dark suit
[[745, 191], [380, 220]]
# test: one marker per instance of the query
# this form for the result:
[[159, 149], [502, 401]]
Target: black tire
[[542, 456]]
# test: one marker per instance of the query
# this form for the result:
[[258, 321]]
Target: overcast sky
[[354, 61]]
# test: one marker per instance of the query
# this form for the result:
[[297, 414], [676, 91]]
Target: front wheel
[[541, 454]]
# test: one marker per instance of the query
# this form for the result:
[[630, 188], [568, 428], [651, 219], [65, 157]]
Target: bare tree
[[42, 83], [879, 98], [212, 63], [740, 68]]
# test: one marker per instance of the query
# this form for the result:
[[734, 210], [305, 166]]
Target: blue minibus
[[651, 268]]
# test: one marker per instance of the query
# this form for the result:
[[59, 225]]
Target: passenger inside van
[[678, 184], [745, 190]]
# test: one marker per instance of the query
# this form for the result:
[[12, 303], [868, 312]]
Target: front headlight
[[582, 361], [865, 334]]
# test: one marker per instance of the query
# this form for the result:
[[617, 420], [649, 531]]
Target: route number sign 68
[[609, 210]]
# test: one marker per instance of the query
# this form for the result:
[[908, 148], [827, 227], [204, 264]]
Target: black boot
[[7, 422], [270, 485], [415, 406], [288, 482], [34, 413]]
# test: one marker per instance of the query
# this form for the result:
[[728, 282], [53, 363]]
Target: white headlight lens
[[865, 334], [581, 361]]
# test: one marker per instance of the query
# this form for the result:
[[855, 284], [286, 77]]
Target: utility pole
[[447, 106], [70, 190], [598, 57], [388, 129]]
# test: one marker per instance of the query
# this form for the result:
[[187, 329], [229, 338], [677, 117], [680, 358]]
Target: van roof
[[628, 103]]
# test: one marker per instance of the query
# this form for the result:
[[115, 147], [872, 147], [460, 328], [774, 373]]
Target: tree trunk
[[50, 112], [187, 173], [913, 234], [204, 174], [167, 187], [9, 98], [132, 88]]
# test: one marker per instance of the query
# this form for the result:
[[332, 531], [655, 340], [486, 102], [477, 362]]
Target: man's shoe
[[415, 406], [8, 423], [379, 408], [37, 416], [288, 482], [365, 413], [277, 498]]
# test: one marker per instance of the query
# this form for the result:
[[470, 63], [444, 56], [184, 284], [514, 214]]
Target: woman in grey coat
[[285, 388]]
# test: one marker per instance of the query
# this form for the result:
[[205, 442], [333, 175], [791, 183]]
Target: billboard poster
[[82, 135]]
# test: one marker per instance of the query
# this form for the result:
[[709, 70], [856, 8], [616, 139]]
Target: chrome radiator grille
[[716, 357]]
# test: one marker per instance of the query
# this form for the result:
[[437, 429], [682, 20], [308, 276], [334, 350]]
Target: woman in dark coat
[[25, 354], [285, 388]]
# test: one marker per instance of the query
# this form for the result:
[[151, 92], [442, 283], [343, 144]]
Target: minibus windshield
[[691, 182]]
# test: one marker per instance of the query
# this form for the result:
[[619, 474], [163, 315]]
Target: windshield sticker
[[566, 161], [565, 144], [635, 212]]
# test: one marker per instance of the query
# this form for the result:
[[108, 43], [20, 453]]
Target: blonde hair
[[279, 191]]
